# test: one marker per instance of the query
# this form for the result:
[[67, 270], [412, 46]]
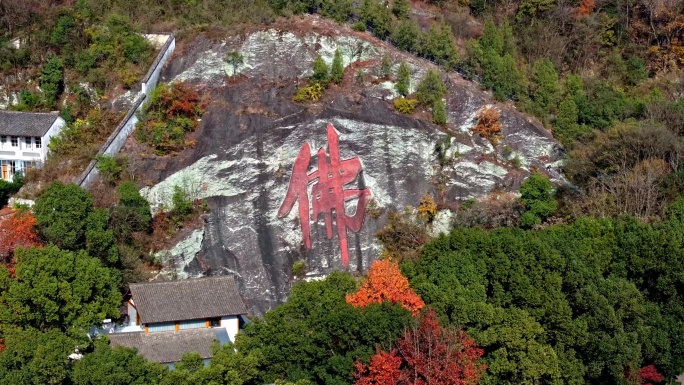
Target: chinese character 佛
[[328, 192]]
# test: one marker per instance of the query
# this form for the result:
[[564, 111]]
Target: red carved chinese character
[[328, 192]]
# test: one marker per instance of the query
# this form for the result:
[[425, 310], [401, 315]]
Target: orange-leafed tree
[[586, 7], [426, 355], [386, 283], [17, 230]]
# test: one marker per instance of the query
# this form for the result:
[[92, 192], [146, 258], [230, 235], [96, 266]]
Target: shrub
[[536, 195], [109, 168], [405, 106], [403, 79], [430, 88], [182, 204], [488, 125], [439, 113], [427, 210], [386, 67], [312, 92], [173, 111], [320, 72], [298, 268], [337, 69]]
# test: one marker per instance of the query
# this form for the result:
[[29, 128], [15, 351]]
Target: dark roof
[[15, 123], [188, 299], [168, 346]]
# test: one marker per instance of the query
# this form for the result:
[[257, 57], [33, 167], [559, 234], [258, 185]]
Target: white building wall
[[53, 131], [232, 325]]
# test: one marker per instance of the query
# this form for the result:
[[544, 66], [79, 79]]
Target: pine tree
[[320, 72], [337, 70], [545, 90], [430, 88], [508, 81], [439, 113], [386, 67], [403, 79], [565, 127]]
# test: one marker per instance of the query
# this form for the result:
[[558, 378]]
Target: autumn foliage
[[17, 230], [649, 375], [488, 124], [586, 7], [386, 283], [428, 355]]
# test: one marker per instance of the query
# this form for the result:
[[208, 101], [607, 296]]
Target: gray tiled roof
[[169, 346], [16, 123], [187, 299]]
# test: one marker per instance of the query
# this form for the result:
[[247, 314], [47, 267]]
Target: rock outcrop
[[252, 133]]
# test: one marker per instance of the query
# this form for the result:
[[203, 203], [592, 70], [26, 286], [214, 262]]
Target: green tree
[[58, 289], [430, 88], [316, 335], [439, 112], [403, 79], [52, 80], [182, 204], [386, 67], [109, 168], [508, 81], [339, 10], [320, 72], [337, 68], [438, 45], [61, 211], [401, 9], [235, 60], [536, 193], [566, 128], [131, 215], [119, 365], [99, 239], [35, 357], [545, 89], [406, 36]]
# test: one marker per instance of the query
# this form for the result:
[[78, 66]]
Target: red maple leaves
[[428, 355], [386, 283], [17, 230], [649, 374]]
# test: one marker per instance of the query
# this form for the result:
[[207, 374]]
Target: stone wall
[[117, 139]]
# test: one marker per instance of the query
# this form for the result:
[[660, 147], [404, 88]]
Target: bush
[[182, 204], [320, 72], [337, 69], [298, 268], [403, 79], [536, 194], [439, 112], [109, 168], [488, 125], [405, 106], [386, 67], [312, 92], [430, 89], [173, 111], [52, 80]]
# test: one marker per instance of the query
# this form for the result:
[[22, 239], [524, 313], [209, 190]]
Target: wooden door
[[5, 174]]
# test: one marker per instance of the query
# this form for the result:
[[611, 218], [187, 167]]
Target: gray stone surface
[[252, 132]]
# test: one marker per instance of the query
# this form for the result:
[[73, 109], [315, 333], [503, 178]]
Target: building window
[[15, 141], [27, 141], [3, 140], [39, 143], [214, 322]]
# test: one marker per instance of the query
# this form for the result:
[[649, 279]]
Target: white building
[[24, 137], [167, 319]]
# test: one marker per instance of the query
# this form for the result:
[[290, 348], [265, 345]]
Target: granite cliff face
[[247, 143]]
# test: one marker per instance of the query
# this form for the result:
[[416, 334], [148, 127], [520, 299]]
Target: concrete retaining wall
[[117, 139]]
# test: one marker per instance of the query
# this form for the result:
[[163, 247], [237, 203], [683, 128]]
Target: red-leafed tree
[[427, 355], [386, 283], [17, 230], [384, 369], [649, 375], [586, 7]]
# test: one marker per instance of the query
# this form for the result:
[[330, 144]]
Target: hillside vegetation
[[573, 284]]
